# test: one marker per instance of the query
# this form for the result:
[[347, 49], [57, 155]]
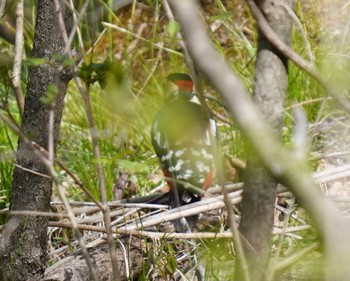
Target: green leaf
[[173, 28], [171, 260], [68, 62], [34, 61], [51, 93], [95, 72], [132, 167]]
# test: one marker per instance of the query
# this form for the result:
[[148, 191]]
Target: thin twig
[[332, 174], [51, 150], [35, 213], [151, 73], [17, 64], [78, 226], [292, 259], [187, 210], [301, 29], [273, 261], [75, 29], [172, 235], [32, 171], [50, 166], [78, 182], [101, 178], [50, 162], [236, 235], [82, 60], [58, 162], [181, 43], [116, 27], [93, 131], [126, 260], [116, 204], [61, 24], [318, 156], [307, 102]]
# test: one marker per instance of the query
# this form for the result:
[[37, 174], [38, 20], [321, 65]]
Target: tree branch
[[17, 63]]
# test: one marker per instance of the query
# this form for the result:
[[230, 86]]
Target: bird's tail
[[179, 196]]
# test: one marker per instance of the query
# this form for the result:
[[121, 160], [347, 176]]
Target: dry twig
[[17, 64]]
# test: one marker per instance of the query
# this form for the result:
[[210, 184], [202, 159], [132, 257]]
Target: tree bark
[[271, 80], [24, 241]]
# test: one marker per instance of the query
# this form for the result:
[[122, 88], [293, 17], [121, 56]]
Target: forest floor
[[148, 248]]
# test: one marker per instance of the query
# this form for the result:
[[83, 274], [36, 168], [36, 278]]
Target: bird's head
[[184, 87], [182, 81]]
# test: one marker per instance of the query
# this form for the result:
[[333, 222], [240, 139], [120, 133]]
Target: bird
[[184, 136]]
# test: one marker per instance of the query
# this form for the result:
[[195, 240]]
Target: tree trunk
[[271, 80], [23, 244]]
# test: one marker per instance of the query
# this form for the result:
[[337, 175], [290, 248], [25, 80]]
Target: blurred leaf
[[106, 74], [51, 94], [173, 28], [171, 259], [63, 59], [94, 72], [132, 167], [34, 61]]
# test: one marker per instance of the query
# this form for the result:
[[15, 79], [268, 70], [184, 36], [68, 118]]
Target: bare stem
[[101, 177], [17, 64]]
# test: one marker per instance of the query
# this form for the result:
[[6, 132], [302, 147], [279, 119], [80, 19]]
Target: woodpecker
[[183, 136]]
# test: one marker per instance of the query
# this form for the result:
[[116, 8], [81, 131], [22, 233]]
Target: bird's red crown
[[182, 81]]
